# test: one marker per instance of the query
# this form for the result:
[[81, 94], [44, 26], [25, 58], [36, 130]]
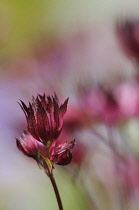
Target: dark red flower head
[[45, 117], [45, 121], [61, 154], [128, 34]]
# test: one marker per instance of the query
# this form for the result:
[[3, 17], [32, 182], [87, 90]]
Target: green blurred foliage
[[20, 24], [24, 22]]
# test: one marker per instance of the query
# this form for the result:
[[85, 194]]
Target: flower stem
[[56, 192]]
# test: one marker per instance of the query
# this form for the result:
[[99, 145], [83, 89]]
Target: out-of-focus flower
[[111, 106], [128, 98], [128, 34], [79, 154], [101, 106], [75, 118], [45, 117], [111, 113], [45, 121]]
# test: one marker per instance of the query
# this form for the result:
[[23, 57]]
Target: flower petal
[[30, 146]]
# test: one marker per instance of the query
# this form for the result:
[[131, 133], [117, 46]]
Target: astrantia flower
[[45, 117], [45, 121], [61, 154]]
